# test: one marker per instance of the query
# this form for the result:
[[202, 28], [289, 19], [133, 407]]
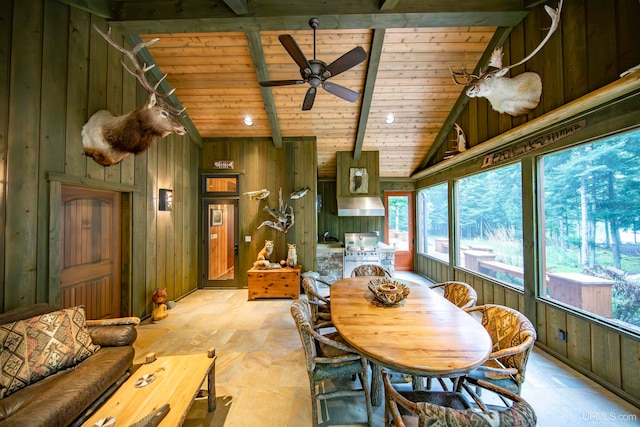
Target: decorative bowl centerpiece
[[389, 292]]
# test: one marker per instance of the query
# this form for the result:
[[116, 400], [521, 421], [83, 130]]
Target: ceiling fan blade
[[270, 83], [309, 98], [346, 61], [295, 52], [341, 91]]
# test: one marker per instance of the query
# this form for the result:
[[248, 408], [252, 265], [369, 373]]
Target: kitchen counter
[[387, 256], [330, 246], [329, 259]]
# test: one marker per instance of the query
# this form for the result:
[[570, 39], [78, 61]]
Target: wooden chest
[[276, 283]]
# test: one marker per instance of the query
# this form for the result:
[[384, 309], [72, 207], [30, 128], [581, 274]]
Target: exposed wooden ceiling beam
[[239, 7], [164, 88], [164, 9], [259, 63], [100, 8], [369, 86], [142, 18], [499, 37], [388, 4]]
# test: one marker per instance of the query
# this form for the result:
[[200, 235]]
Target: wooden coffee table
[[177, 381]]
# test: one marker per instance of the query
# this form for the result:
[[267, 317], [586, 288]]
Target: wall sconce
[[165, 201]]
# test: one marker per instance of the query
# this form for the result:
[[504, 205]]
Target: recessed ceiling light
[[389, 119], [248, 121]]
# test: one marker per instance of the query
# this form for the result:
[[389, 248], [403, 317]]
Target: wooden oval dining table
[[425, 335]]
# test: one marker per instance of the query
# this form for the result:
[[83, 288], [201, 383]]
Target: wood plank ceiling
[[214, 77], [216, 74]]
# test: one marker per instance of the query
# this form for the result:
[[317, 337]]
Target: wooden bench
[[586, 292], [490, 268], [442, 245]]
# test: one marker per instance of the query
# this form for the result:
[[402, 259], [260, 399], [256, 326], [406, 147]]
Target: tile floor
[[261, 378]]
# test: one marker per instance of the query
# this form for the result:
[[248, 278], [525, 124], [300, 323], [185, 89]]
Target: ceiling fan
[[316, 72]]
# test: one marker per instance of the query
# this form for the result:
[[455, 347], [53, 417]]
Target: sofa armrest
[[116, 321], [113, 335]]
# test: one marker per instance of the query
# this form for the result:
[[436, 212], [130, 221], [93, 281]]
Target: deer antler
[[140, 70], [470, 78], [555, 21]]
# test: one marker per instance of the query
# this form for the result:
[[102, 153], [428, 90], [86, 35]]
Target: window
[[222, 185], [591, 202], [489, 207], [433, 222]]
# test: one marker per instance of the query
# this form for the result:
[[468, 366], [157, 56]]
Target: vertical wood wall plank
[[6, 14], [114, 95], [605, 355], [556, 319], [628, 38], [578, 349], [630, 365], [601, 39], [180, 197], [22, 159], [77, 81], [154, 278], [97, 96], [52, 125]]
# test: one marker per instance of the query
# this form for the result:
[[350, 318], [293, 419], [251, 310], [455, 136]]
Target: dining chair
[[328, 357], [459, 293], [370, 270], [318, 304], [428, 408], [513, 337]]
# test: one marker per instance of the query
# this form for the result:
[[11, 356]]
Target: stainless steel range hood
[[360, 206]]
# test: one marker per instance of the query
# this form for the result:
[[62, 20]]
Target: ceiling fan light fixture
[[390, 118], [316, 72], [248, 121]]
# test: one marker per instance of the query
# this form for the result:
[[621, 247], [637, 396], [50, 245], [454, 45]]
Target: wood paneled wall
[[261, 165], [370, 160], [596, 41], [594, 44], [55, 71]]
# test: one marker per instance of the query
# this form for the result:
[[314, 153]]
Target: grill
[[360, 248]]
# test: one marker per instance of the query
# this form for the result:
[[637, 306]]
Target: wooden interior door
[[91, 251], [220, 243], [399, 232]]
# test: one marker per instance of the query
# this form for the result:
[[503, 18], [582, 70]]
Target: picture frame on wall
[[358, 181], [215, 217]]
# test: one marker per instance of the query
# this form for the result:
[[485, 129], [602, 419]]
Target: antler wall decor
[[109, 139], [517, 95]]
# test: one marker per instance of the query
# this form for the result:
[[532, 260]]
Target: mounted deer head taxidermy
[[109, 139], [517, 95]]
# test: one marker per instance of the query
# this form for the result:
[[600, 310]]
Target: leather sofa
[[68, 397]]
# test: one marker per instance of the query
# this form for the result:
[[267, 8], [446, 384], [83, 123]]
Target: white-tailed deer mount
[[109, 139], [516, 95]]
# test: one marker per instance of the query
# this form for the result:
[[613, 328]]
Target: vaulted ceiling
[[216, 52]]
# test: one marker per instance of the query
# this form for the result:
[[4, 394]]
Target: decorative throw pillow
[[35, 348]]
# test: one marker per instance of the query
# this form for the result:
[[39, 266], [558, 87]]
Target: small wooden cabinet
[[276, 283]]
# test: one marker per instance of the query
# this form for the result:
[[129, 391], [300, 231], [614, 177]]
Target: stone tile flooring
[[261, 378]]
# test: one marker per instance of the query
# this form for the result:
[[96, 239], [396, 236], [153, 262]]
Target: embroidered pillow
[[35, 348]]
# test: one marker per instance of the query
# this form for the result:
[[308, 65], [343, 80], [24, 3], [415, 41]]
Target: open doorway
[[220, 249], [398, 222]]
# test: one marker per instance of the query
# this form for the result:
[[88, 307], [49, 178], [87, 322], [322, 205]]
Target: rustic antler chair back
[[459, 293], [431, 408], [329, 359], [513, 337], [318, 304], [370, 270]]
